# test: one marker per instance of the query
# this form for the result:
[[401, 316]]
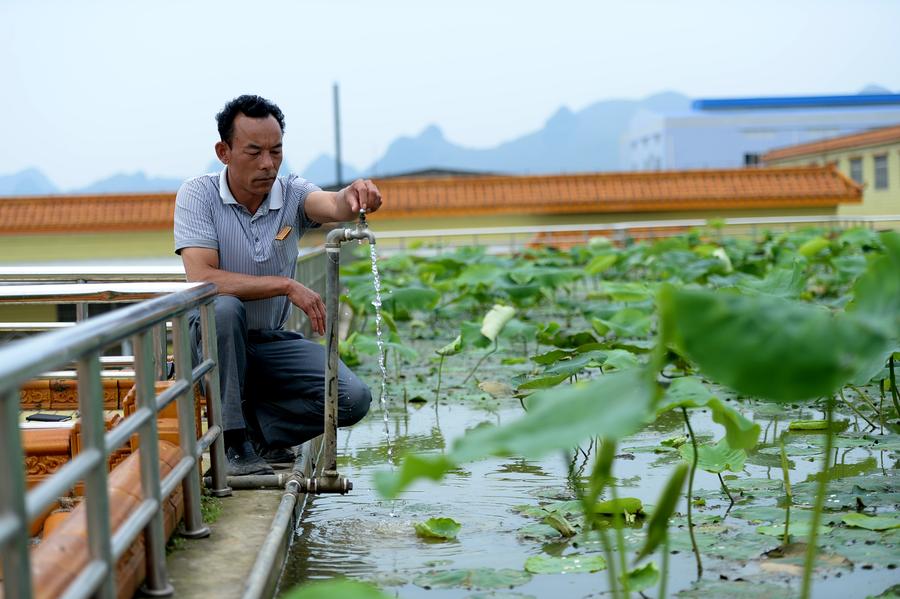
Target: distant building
[[870, 159], [730, 133]]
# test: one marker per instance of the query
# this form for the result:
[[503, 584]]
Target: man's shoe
[[276, 456], [243, 461]]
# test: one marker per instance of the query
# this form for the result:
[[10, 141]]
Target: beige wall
[[875, 201]]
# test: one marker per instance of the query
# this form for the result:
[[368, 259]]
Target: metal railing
[[310, 271], [83, 344], [512, 239]]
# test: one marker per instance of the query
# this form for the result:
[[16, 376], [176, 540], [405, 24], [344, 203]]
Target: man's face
[[253, 158]]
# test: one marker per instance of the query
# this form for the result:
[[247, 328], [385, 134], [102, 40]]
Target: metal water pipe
[[330, 481]]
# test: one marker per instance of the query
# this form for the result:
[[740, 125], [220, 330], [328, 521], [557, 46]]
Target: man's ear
[[223, 152]]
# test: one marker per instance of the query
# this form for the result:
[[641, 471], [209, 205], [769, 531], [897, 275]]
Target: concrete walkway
[[218, 566]]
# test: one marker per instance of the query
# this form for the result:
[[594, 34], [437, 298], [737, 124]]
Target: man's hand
[[311, 303], [362, 194]]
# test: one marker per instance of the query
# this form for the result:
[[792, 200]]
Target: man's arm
[[344, 205], [202, 264]]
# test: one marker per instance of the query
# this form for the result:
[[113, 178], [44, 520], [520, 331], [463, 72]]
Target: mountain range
[[570, 141]]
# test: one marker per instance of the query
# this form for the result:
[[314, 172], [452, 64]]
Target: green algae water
[[363, 537]]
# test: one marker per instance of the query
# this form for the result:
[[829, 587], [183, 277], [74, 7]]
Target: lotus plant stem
[[437, 392], [854, 410], [790, 496], [610, 564], [822, 489], [664, 570], [866, 400], [619, 523], [483, 358], [894, 394], [725, 488], [690, 494], [590, 523]]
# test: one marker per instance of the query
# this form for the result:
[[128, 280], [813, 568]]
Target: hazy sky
[[90, 88]]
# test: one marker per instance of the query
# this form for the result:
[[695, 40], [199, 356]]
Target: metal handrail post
[[157, 582], [218, 472], [194, 527], [159, 350], [90, 403], [16, 563]]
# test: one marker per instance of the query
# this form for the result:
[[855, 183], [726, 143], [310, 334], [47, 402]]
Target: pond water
[[365, 537]]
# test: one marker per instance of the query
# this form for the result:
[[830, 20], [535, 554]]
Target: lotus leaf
[[567, 564], [438, 528], [480, 578], [883, 522]]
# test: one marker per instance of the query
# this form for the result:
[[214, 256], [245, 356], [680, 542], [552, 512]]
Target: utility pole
[[337, 138]]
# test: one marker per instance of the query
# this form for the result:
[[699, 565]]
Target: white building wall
[[720, 139]]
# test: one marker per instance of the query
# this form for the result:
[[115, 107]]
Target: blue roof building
[[734, 132]]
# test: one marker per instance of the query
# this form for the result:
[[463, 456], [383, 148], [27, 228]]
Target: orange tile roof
[[873, 137], [725, 189], [82, 214]]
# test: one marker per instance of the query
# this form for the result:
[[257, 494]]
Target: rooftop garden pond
[[695, 416]]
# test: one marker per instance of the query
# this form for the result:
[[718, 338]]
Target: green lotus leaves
[[438, 528], [715, 458], [479, 578], [690, 392], [329, 589], [813, 247], [600, 263], [412, 298], [885, 522], [767, 346], [567, 564]]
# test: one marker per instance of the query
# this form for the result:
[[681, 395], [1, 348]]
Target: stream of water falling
[[379, 340]]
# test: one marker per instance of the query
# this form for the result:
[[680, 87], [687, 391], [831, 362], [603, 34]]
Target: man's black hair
[[248, 105]]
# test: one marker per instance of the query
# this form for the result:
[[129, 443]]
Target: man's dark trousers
[[272, 382]]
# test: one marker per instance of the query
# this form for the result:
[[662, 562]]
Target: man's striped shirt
[[208, 216]]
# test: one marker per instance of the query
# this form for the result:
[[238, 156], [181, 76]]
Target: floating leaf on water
[[539, 532], [329, 589], [480, 578], [883, 522], [797, 529], [737, 589], [438, 528], [817, 425], [675, 442], [499, 595], [756, 484], [642, 578], [567, 564]]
